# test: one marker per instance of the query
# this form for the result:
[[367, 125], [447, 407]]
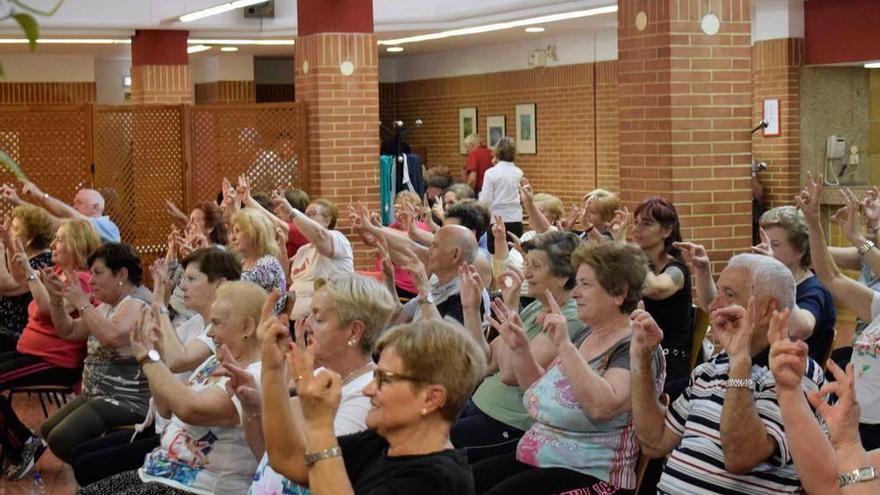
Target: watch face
[[867, 472], [153, 355]]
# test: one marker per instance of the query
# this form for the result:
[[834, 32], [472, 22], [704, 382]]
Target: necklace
[[357, 371]]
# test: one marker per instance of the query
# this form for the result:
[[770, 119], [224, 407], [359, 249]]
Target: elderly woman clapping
[[425, 374]]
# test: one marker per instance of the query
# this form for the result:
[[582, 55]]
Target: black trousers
[[504, 475], [483, 436], [111, 454]]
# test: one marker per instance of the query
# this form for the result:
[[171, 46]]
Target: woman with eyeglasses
[[348, 315], [426, 372]]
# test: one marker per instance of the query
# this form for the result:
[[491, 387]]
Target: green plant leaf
[[30, 27]]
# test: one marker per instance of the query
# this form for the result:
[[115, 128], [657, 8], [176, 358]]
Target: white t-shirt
[[307, 265], [351, 417], [192, 329], [866, 365], [203, 459], [501, 191]]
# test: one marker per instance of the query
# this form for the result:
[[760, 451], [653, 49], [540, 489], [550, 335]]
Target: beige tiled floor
[[57, 476]]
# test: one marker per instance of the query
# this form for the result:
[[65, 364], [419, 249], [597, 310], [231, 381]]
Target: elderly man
[[88, 204], [725, 432]]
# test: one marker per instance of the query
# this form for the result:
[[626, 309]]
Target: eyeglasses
[[383, 378]]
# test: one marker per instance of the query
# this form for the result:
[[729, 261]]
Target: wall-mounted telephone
[[835, 149]]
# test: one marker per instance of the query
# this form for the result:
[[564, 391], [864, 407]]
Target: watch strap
[[868, 473], [313, 457], [865, 247], [741, 383]]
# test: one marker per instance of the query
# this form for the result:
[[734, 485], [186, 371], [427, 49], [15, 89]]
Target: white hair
[[94, 196], [770, 278]]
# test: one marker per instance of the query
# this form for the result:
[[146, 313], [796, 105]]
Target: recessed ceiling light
[[394, 49], [535, 29], [498, 26], [873, 65], [229, 49], [197, 41], [197, 48], [218, 9]]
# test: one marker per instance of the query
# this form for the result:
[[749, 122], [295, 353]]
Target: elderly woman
[[253, 237], [203, 448], [582, 439], [786, 236], [114, 392], [203, 272], [328, 253], [348, 315], [500, 190], [426, 372], [495, 418], [667, 291], [33, 227], [42, 357]]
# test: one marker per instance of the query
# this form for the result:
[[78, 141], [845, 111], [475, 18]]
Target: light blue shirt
[[107, 230]]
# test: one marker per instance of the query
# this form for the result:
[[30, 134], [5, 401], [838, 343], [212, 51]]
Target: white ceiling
[[392, 19]]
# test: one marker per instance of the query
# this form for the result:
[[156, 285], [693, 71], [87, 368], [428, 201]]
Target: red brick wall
[[343, 116], [225, 92], [568, 123], [685, 115], [47, 92], [776, 74], [154, 84]]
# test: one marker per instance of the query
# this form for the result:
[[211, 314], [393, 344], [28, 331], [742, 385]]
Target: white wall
[[576, 49], [109, 73], [777, 19], [48, 68]]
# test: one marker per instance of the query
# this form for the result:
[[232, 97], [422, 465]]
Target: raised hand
[[274, 334], [515, 243], [412, 264], [471, 291], [842, 419], [694, 255], [174, 211], [73, 291], [510, 283], [849, 217], [809, 199], [555, 324], [53, 283], [319, 393], [509, 326], [870, 207], [241, 383], [764, 247], [526, 193], [9, 193], [619, 225], [140, 336], [30, 189], [733, 328], [788, 358], [647, 334], [570, 220], [6, 233], [162, 285], [243, 190]]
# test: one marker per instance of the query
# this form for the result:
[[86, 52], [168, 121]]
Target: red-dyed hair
[[663, 212]]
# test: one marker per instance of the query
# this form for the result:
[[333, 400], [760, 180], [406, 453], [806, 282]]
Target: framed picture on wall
[[526, 129], [495, 129], [467, 125], [771, 115]]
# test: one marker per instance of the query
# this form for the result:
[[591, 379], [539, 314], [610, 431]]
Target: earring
[[424, 411], [352, 342], [244, 337], [119, 284]]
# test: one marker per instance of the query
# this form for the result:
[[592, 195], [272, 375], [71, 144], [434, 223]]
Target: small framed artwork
[[526, 129], [771, 115], [495, 129], [467, 125]]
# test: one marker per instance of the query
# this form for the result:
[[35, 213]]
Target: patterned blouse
[[268, 274], [14, 309]]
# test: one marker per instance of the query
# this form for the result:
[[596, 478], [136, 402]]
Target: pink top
[[402, 278], [40, 339]]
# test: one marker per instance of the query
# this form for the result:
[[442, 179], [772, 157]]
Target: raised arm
[[471, 299], [664, 285], [316, 233], [696, 257], [244, 386], [853, 294], [655, 437], [54, 206], [111, 332], [518, 360], [537, 221]]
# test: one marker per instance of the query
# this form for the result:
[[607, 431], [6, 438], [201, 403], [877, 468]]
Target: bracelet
[[868, 473], [741, 383], [865, 247], [313, 457], [32, 277]]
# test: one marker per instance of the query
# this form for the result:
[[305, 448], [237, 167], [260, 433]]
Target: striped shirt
[[696, 466]]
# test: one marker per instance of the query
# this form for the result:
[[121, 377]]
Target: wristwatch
[[152, 356], [428, 299], [865, 247], [32, 277], [868, 473], [741, 383], [313, 457]]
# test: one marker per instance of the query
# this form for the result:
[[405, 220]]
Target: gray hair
[[770, 278]]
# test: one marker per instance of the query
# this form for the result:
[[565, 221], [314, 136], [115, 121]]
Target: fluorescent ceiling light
[[68, 41], [197, 48], [229, 49], [498, 26], [197, 41], [873, 65], [535, 29], [218, 9], [394, 49]]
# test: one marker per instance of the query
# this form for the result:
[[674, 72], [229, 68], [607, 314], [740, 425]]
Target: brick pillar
[[776, 73], [337, 76], [685, 114], [160, 70]]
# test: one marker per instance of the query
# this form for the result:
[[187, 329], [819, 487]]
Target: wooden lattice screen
[[51, 143], [267, 142], [138, 156]]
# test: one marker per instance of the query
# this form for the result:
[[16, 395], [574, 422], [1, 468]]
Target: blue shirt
[[107, 230], [815, 298]]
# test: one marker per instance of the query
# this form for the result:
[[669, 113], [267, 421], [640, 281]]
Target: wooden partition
[[139, 156]]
